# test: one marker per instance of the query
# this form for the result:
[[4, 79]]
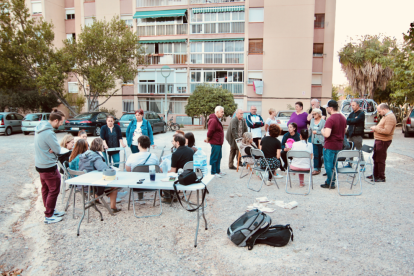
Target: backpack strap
[[252, 240], [202, 198]]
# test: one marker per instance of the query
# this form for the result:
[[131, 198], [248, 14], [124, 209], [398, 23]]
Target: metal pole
[[165, 102]]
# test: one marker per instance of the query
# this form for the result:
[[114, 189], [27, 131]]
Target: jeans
[[134, 149], [215, 158], [317, 157], [329, 157], [379, 157], [112, 157], [50, 190]]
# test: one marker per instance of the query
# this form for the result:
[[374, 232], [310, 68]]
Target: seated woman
[[143, 157], [271, 148], [190, 141], [302, 164], [81, 146], [246, 147], [91, 160], [66, 149]]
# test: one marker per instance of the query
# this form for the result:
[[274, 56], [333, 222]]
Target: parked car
[[371, 118], [10, 122], [408, 124], [282, 118], [91, 122], [157, 123], [31, 120]]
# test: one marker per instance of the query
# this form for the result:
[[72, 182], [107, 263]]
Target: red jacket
[[215, 131]]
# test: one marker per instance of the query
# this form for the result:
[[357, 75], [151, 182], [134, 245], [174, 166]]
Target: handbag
[[187, 178]]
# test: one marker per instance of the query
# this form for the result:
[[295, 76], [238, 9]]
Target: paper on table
[[102, 182]]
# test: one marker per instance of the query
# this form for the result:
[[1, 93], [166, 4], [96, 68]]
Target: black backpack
[[275, 235]]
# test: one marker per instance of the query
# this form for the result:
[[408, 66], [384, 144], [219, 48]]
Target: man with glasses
[[315, 104], [255, 123]]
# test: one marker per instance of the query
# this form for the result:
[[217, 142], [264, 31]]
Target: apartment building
[[268, 53]]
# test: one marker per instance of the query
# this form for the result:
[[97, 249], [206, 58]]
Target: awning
[[217, 39], [163, 41], [157, 14], [219, 9]]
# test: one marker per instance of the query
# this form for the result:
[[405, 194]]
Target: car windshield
[[127, 117], [84, 116], [368, 105], [33, 117], [285, 114]]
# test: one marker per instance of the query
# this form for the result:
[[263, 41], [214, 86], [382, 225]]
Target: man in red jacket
[[215, 136]]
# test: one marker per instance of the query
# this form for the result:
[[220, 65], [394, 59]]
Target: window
[[255, 76], [319, 21], [73, 87], [316, 79], [195, 76], [36, 8], [127, 105], [317, 49], [257, 104], [70, 13], [256, 15], [71, 36], [101, 116], [255, 46], [128, 20], [89, 21]]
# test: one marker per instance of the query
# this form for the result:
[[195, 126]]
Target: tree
[[335, 95], [204, 100], [367, 64], [28, 59], [104, 53]]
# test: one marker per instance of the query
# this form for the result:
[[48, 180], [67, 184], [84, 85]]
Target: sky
[[361, 17]]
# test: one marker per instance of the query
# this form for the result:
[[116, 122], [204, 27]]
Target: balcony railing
[[155, 3], [217, 58], [235, 88], [173, 29], [166, 59], [159, 88], [218, 28], [214, 1]]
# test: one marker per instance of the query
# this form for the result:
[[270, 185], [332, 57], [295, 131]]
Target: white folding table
[[129, 180]]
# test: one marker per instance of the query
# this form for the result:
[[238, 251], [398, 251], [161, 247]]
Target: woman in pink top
[[299, 117]]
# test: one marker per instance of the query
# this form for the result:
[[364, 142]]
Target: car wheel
[[97, 131], [164, 129], [175, 127], [25, 132], [8, 131], [406, 134]]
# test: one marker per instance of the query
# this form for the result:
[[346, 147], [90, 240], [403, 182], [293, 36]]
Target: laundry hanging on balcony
[[219, 9], [258, 87], [157, 14], [163, 41]]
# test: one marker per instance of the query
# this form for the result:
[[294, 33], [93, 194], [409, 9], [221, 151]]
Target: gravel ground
[[366, 235]]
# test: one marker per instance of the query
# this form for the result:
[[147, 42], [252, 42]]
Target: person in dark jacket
[[136, 128], [235, 131], [356, 126], [215, 136], [112, 137]]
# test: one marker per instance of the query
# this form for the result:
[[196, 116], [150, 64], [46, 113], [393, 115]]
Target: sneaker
[[51, 220], [222, 174], [369, 177], [218, 175], [326, 186], [232, 168], [278, 176], [56, 213], [269, 183]]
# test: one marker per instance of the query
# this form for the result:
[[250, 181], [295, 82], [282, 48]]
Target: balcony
[[166, 59], [215, 58], [159, 88], [214, 1], [234, 88], [155, 30], [218, 28], [155, 3]]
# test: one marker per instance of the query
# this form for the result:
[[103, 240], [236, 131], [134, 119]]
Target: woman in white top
[[271, 120], [302, 164]]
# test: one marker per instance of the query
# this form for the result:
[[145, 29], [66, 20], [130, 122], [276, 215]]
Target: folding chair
[[245, 165], [365, 163], [188, 166], [144, 168], [65, 176], [348, 171], [256, 167], [162, 153], [112, 163], [299, 154]]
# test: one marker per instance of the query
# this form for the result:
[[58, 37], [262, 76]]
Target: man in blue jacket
[[255, 123], [356, 126]]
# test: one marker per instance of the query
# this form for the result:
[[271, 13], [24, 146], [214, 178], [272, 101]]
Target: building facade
[[268, 53]]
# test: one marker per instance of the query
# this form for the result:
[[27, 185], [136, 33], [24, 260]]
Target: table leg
[[94, 205], [83, 215], [89, 198], [198, 220], [205, 220], [70, 195]]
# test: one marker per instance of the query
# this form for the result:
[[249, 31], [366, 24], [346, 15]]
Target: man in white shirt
[[255, 123], [143, 157]]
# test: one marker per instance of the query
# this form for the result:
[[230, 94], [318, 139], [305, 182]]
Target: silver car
[[282, 118], [31, 120], [10, 122], [408, 124], [370, 109]]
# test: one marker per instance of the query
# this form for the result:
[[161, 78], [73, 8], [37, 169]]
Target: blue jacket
[[145, 128], [251, 124], [74, 164]]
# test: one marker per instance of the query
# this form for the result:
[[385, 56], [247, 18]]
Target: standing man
[[315, 104], [46, 149], [255, 122], [334, 133], [356, 123], [235, 131], [215, 136], [383, 134]]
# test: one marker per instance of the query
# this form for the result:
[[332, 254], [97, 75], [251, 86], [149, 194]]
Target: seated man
[[143, 157], [179, 158]]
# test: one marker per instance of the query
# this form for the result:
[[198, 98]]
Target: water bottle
[[200, 161], [164, 168]]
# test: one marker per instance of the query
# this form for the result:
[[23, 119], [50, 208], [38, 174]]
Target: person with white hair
[[316, 104], [255, 123], [215, 136], [235, 131]]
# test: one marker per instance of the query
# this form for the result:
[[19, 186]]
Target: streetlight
[[165, 72]]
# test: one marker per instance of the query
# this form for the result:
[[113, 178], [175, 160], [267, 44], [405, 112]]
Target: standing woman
[[317, 139], [299, 117], [112, 137], [136, 128], [270, 120]]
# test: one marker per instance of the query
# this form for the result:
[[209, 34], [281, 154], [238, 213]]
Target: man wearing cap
[[334, 132]]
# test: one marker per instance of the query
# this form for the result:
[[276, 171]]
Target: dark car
[[408, 124], [157, 123], [91, 122]]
